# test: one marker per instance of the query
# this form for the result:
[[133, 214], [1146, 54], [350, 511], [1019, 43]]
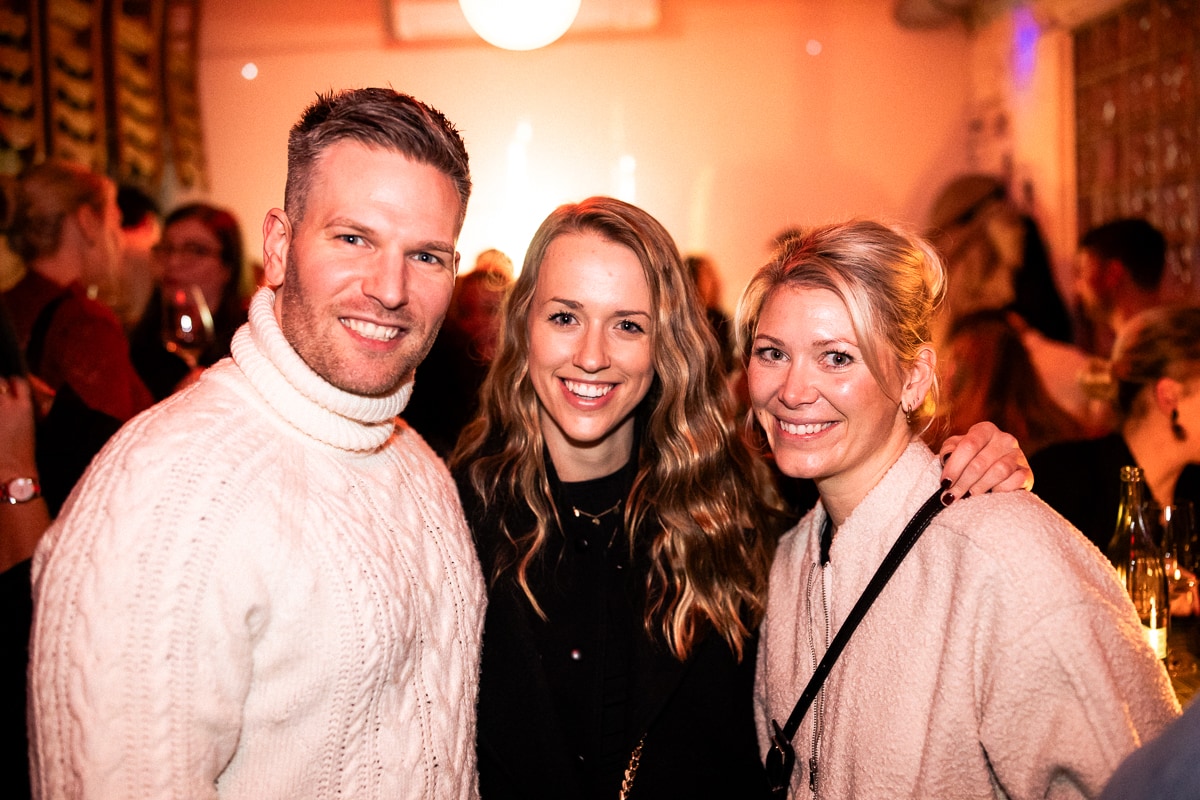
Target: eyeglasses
[[165, 250]]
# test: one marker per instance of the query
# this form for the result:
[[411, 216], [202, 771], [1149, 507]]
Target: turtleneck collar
[[301, 397]]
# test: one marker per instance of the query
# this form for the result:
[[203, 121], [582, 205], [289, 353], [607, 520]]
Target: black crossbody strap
[[916, 526]]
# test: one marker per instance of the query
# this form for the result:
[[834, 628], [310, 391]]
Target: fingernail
[[946, 484], [968, 494], [945, 458], [947, 499]]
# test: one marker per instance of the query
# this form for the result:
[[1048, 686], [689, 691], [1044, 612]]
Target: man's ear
[[277, 238]]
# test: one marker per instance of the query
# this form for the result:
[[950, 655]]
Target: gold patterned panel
[[1137, 105], [136, 91], [75, 83], [108, 83], [21, 134], [181, 94]]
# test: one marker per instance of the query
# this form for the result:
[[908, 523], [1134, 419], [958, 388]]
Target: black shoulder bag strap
[[781, 759]]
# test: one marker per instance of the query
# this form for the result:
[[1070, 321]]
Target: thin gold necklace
[[595, 518]]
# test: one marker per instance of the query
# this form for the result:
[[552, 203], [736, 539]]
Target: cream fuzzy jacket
[[262, 588], [1002, 660]]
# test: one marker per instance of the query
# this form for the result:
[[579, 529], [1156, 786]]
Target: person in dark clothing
[[1156, 390], [446, 394], [200, 252], [626, 564], [1165, 768]]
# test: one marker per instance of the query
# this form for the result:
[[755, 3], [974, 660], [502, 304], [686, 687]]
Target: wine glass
[[1177, 524], [187, 324]]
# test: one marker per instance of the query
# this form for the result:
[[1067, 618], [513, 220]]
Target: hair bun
[[1099, 379]]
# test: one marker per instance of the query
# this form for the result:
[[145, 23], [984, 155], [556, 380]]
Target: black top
[[445, 396], [586, 641], [1082, 481], [564, 700]]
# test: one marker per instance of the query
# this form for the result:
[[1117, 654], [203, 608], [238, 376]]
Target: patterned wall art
[[1137, 105]]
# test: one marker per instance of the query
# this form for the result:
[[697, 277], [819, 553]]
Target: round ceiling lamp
[[520, 24]]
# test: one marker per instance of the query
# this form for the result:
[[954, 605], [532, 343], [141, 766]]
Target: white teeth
[[370, 330], [589, 390], [803, 430]]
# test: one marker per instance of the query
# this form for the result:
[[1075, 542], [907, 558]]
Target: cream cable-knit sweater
[[262, 588], [1003, 639]]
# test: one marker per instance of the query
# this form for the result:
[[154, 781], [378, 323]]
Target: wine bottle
[[1139, 562]]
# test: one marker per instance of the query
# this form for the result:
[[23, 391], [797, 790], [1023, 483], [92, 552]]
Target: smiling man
[[264, 587]]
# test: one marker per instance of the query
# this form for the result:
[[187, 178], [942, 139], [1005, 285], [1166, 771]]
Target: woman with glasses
[[191, 317]]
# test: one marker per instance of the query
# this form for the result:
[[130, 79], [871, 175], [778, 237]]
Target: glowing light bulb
[[520, 24]]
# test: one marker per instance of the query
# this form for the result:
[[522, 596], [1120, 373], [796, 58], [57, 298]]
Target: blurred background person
[[493, 260], [446, 394], [707, 280], [475, 306], [1120, 271], [199, 260], [996, 261], [996, 257], [141, 227], [66, 229], [1156, 393], [989, 376]]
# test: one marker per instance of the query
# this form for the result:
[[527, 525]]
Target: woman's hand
[[21, 524], [984, 459], [16, 428]]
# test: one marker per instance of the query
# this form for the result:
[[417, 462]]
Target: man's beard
[[300, 324]]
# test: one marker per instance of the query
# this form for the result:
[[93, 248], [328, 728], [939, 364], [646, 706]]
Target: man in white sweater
[[264, 586]]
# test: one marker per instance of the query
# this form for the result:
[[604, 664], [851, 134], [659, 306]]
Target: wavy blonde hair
[[706, 502]]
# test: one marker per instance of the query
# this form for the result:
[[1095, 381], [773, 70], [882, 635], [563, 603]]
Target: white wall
[[736, 130]]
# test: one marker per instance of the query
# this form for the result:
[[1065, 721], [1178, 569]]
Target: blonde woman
[[1003, 659]]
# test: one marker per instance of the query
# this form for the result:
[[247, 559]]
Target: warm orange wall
[[736, 130]]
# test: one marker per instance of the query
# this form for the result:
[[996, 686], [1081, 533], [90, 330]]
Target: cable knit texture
[[1002, 660], [262, 588]]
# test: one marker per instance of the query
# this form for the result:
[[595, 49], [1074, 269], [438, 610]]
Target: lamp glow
[[520, 24]]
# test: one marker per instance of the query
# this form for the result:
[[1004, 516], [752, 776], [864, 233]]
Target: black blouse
[[565, 699], [1082, 481]]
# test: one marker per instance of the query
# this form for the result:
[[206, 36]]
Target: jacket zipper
[[819, 712]]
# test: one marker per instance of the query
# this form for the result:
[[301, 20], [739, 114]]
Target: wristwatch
[[20, 490]]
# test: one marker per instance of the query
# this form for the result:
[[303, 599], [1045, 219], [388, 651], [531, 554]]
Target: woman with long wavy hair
[[624, 528]]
